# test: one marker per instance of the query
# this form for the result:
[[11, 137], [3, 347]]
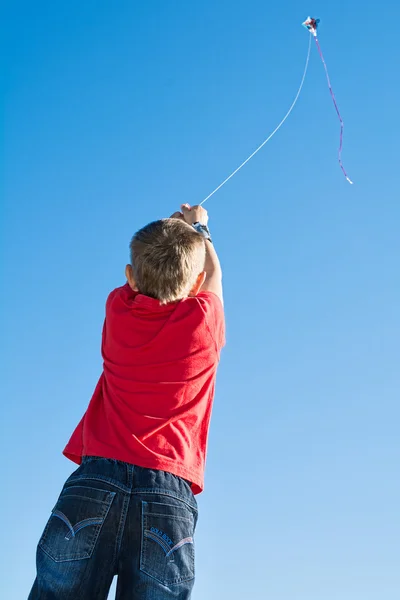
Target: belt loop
[[130, 469]]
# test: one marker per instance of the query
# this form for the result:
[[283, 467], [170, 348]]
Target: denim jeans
[[113, 518]]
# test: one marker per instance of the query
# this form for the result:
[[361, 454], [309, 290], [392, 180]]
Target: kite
[[311, 25]]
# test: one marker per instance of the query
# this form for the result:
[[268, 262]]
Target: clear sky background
[[117, 112]]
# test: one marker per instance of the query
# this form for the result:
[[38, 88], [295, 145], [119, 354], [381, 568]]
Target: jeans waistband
[[131, 478]]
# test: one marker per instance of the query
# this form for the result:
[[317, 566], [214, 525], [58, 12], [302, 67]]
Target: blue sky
[[115, 113]]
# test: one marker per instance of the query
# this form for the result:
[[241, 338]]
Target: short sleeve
[[214, 313]]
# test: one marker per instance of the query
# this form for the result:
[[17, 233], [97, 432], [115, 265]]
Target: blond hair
[[166, 257]]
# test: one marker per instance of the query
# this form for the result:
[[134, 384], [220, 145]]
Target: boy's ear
[[198, 285], [130, 278]]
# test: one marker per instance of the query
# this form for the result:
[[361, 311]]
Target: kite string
[[336, 107], [271, 135]]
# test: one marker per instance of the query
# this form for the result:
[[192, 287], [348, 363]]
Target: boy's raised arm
[[213, 281], [212, 267]]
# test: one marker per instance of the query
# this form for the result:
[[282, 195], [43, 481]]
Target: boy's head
[[167, 261]]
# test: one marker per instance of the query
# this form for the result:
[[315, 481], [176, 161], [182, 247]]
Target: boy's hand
[[194, 214]]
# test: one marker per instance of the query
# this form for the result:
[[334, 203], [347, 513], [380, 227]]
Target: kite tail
[[337, 110]]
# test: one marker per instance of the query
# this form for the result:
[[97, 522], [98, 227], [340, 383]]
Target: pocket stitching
[[145, 529], [62, 558]]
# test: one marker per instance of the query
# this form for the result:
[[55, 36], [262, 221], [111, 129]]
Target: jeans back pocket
[[167, 542], [75, 523]]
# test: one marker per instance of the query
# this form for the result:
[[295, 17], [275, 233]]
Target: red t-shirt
[[152, 404]]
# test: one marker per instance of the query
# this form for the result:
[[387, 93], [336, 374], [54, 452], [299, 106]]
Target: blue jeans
[[113, 518]]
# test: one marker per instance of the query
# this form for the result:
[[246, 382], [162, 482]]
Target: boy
[[129, 509]]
